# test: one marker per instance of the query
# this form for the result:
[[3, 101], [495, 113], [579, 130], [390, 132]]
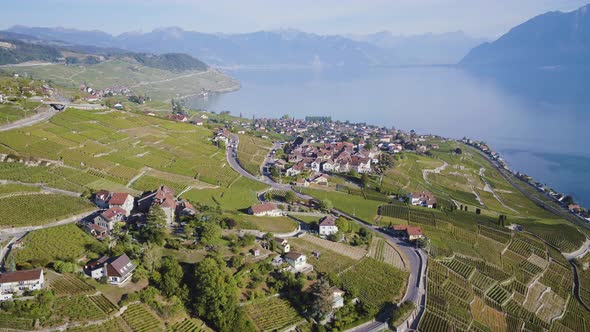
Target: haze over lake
[[538, 120]]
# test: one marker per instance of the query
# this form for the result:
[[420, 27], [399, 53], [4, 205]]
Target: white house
[[328, 166], [110, 217], [283, 244], [423, 198], [337, 297], [117, 270], [328, 226], [316, 165], [265, 209], [17, 282], [296, 260], [123, 201]]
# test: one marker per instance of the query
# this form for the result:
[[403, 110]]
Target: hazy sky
[[481, 18]]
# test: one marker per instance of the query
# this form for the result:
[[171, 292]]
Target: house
[[283, 245], [101, 199], [164, 198], [110, 217], [296, 169], [328, 166], [328, 226], [123, 201], [265, 209], [316, 165], [337, 297], [185, 209], [17, 282], [302, 183], [423, 198], [96, 230], [1, 98], [117, 270], [277, 261], [409, 232], [199, 122], [296, 260], [321, 179]]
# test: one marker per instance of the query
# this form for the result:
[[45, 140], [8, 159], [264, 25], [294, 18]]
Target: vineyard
[[272, 314], [189, 325], [384, 252], [114, 325], [39, 209], [68, 284], [328, 261], [115, 147], [251, 153], [46, 245], [7, 321], [141, 319], [79, 308], [376, 283]]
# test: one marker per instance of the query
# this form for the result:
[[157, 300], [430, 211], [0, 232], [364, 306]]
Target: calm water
[[538, 120]]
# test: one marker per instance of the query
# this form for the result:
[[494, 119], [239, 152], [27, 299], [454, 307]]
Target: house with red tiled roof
[[162, 197], [118, 270], [410, 232], [15, 283], [123, 201], [110, 217], [265, 209], [423, 198], [328, 226]]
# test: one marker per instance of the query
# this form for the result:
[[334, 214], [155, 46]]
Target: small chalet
[[117, 270], [423, 198], [321, 179], [302, 183], [409, 232], [283, 245], [163, 197], [328, 226], [265, 209], [337, 297], [18, 282]]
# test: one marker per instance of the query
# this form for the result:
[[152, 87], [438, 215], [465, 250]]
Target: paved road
[[417, 259], [39, 117]]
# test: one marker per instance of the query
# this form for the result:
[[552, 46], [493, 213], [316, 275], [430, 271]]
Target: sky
[[478, 18]]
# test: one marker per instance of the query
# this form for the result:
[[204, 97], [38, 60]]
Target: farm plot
[[8, 321], [269, 224], [328, 261], [67, 284], [459, 267], [16, 211], [114, 325], [16, 188], [383, 251], [103, 303], [532, 302], [272, 314], [46, 245], [140, 319], [498, 294], [559, 278], [251, 153], [190, 325], [552, 306], [375, 282], [355, 253], [432, 322], [488, 316], [79, 308]]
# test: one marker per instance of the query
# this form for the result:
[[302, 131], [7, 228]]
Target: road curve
[[417, 258]]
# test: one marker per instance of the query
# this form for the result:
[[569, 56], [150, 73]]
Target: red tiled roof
[[328, 221], [20, 276], [112, 212], [118, 198], [264, 207], [102, 195]]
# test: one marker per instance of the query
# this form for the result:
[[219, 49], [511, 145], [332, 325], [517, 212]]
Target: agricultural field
[[80, 308], [117, 145], [17, 210], [268, 224], [353, 205], [8, 321], [114, 325], [46, 245], [141, 319], [6, 189], [190, 325], [19, 109], [385, 252], [251, 153], [240, 195], [355, 253], [376, 283], [329, 261], [67, 284], [157, 83], [272, 314]]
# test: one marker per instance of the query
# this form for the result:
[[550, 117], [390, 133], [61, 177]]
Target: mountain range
[[548, 40], [280, 47]]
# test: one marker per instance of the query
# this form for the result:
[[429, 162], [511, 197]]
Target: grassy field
[[240, 195], [251, 153], [116, 146], [354, 205], [40, 209], [269, 224], [157, 83], [22, 108], [272, 314], [16, 188], [46, 245]]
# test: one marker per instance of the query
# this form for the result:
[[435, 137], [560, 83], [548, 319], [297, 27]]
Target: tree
[[210, 232], [322, 298], [343, 225], [215, 297], [290, 197], [458, 151], [171, 275], [326, 205], [365, 179], [155, 228]]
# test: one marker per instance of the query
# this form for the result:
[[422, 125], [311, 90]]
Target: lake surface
[[538, 120]]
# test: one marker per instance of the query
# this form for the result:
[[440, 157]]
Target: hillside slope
[[550, 39]]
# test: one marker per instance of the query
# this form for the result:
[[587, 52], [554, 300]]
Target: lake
[[538, 120]]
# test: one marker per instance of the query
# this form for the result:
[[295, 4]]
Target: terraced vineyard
[[189, 325], [251, 153], [48, 208], [79, 308], [114, 325], [7, 321], [384, 252], [103, 303], [272, 314], [68, 284], [140, 319]]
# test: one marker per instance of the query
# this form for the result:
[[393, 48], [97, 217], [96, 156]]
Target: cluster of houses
[[423, 198], [98, 94], [117, 207], [117, 270]]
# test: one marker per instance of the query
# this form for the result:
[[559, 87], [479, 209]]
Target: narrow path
[[492, 191], [15, 231], [437, 170], [578, 253], [142, 173]]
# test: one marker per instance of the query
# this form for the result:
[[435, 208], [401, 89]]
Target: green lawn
[[269, 224], [16, 188], [240, 196], [354, 205]]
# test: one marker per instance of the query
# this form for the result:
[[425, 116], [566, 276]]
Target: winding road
[[417, 258]]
